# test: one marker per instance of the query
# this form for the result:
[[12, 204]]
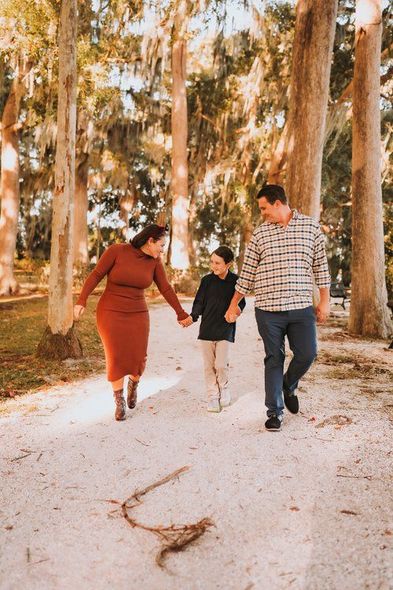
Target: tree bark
[[180, 197], [9, 186], [312, 55], [369, 314], [59, 340]]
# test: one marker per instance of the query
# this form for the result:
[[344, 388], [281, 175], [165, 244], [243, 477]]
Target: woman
[[122, 313]]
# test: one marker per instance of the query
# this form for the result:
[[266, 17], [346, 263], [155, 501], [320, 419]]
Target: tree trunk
[[245, 235], [278, 159], [180, 198], [59, 339], [9, 186], [81, 252], [126, 205], [369, 314], [312, 55]]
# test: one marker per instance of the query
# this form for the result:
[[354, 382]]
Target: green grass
[[22, 324]]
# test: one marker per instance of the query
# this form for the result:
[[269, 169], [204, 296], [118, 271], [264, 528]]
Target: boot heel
[[120, 409], [132, 393]]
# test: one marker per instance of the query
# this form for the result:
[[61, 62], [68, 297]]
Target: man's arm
[[246, 280], [323, 307], [322, 278]]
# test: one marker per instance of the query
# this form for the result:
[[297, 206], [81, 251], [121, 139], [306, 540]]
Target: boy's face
[[218, 265]]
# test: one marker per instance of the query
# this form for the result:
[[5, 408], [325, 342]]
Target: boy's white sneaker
[[213, 405]]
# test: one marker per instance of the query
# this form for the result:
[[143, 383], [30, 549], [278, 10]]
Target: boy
[[211, 302]]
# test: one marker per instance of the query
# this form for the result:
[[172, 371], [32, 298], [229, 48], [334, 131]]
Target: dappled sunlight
[[95, 402]]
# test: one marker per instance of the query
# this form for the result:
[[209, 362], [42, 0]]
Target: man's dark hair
[[225, 253], [273, 193]]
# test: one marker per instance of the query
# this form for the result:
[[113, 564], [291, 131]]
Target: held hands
[[78, 312], [232, 314], [186, 323]]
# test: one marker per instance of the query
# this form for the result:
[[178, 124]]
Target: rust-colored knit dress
[[122, 313]]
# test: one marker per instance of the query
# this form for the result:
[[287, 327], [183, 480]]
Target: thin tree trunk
[[59, 339], [312, 55], [126, 205], [9, 186], [245, 235], [191, 241], [369, 314], [180, 197], [81, 252]]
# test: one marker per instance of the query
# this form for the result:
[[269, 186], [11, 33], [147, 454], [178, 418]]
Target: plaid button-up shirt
[[280, 263]]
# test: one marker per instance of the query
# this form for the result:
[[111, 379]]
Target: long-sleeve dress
[[122, 312]]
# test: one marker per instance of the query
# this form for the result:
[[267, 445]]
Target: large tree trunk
[[9, 186], [278, 159], [312, 55], [180, 197], [369, 314], [59, 339]]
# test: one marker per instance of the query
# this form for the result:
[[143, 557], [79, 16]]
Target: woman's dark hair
[[225, 253], [150, 231], [273, 193]]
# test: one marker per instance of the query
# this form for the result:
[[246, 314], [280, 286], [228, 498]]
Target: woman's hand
[[78, 312], [187, 322]]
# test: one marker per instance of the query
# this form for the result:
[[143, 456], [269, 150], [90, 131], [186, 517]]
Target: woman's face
[[156, 248]]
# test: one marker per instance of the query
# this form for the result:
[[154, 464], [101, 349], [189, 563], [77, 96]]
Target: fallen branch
[[368, 477], [21, 457], [173, 538], [142, 443]]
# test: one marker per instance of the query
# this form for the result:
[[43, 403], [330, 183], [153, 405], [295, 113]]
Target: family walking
[[285, 257]]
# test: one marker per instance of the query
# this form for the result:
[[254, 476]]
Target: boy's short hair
[[273, 193], [225, 253]]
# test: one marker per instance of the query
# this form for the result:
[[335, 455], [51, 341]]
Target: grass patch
[[361, 371], [22, 325]]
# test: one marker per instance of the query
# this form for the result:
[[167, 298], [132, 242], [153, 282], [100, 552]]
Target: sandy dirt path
[[307, 508]]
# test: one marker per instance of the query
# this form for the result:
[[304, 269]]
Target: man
[[284, 255]]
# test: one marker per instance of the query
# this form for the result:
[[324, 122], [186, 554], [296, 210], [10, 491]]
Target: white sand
[[276, 498]]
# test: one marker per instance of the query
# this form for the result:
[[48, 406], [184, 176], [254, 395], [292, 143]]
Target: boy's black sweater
[[211, 302]]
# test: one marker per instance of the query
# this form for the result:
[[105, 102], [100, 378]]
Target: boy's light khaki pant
[[215, 360]]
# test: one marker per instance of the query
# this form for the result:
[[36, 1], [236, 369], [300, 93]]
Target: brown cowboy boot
[[120, 410], [132, 393]]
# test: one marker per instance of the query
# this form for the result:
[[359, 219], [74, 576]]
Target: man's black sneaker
[[273, 423], [291, 402]]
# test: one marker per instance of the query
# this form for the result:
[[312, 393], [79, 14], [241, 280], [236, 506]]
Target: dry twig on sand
[[174, 537]]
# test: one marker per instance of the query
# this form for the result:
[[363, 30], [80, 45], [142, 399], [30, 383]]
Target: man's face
[[269, 212]]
